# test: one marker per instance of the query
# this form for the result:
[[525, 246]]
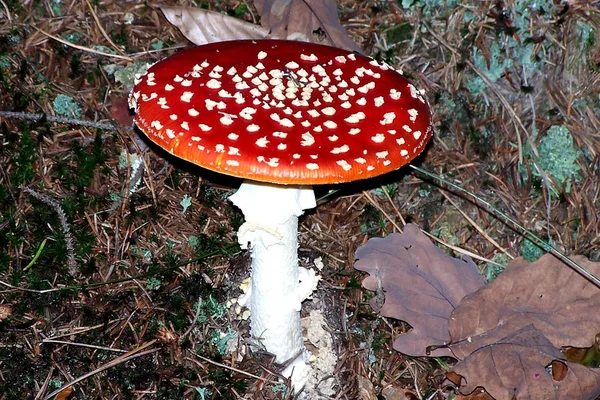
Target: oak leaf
[[422, 286], [303, 19], [518, 367], [204, 26], [554, 298], [300, 20]]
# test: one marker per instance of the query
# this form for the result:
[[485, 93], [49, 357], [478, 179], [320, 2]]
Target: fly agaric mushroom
[[283, 116]]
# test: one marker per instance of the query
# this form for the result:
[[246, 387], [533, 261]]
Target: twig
[[108, 39], [520, 228], [476, 226], [490, 84], [381, 210], [222, 251], [455, 248], [91, 346], [398, 213], [7, 12], [60, 120], [119, 360], [194, 321], [460, 250], [72, 261], [239, 371], [83, 48]]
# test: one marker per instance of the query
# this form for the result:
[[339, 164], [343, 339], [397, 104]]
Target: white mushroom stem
[[278, 285]]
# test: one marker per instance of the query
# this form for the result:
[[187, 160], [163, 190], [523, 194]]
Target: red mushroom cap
[[282, 111]]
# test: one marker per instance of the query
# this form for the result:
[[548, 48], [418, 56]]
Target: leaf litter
[[407, 267], [507, 335], [371, 28], [306, 20]]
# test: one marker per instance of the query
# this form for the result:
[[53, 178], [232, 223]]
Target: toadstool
[[283, 116]]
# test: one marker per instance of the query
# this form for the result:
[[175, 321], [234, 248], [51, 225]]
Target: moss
[[491, 271], [531, 251], [20, 378], [23, 157], [177, 312]]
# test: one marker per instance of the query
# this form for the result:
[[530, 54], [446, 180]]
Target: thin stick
[[194, 321], [119, 360], [239, 371], [60, 120], [83, 48], [7, 11], [489, 83], [62, 217], [505, 218], [476, 226], [382, 211], [460, 250], [222, 251], [385, 191], [91, 346], [108, 39]]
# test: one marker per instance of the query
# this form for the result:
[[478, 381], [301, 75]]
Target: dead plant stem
[[512, 222], [135, 353], [60, 120]]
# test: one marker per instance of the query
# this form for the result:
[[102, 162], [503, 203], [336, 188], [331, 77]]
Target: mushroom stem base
[[271, 233]]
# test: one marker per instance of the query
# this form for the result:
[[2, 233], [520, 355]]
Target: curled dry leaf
[[280, 19], [394, 392], [516, 367], [300, 19], [366, 391], [422, 286], [478, 394], [204, 26], [555, 299], [63, 394], [5, 311]]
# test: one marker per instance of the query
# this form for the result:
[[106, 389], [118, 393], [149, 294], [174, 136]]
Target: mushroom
[[283, 116]]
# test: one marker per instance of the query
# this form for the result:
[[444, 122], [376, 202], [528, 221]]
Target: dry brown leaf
[[63, 394], [559, 302], [366, 391], [301, 19], [478, 394], [515, 367], [204, 26], [422, 286], [393, 392], [5, 311]]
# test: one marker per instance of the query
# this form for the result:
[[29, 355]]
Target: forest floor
[[117, 276]]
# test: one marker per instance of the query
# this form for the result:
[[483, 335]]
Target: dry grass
[[125, 326]]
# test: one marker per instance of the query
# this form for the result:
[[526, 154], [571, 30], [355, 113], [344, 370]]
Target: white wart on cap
[[282, 111]]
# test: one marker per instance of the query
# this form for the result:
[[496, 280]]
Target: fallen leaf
[[63, 394], [559, 302], [366, 391], [589, 356], [203, 26], [393, 392], [515, 367], [5, 311], [302, 19], [478, 394], [119, 110], [422, 286]]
